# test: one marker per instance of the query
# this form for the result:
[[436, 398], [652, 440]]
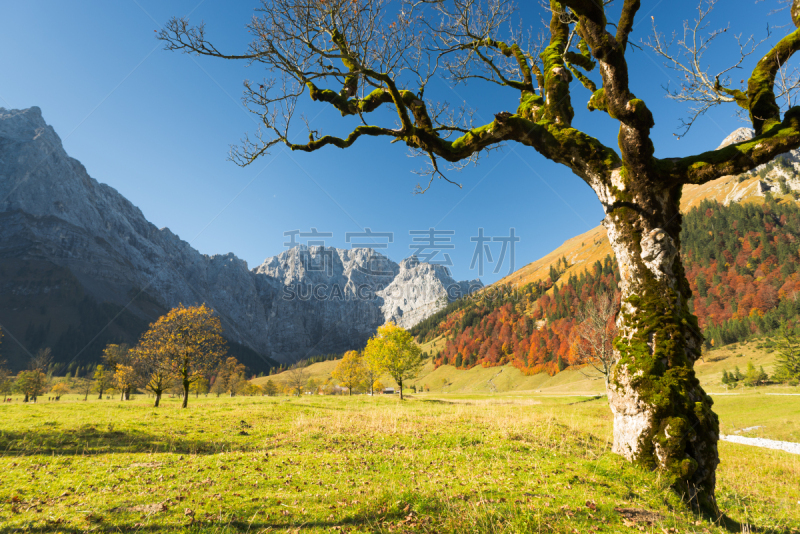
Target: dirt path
[[786, 446], [491, 384]]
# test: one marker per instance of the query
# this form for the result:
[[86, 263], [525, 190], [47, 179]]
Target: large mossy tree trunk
[[662, 416]]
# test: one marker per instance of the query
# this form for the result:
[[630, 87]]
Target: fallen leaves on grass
[[631, 516], [146, 464], [147, 508]]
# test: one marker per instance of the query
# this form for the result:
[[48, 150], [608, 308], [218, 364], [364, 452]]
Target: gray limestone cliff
[[780, 176], [420, 290], [81, 266]]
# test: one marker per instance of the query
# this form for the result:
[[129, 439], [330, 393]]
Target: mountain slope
[[742, 263], [585, 249], [81, 266]]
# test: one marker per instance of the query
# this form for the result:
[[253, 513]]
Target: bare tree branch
[[684, 54]]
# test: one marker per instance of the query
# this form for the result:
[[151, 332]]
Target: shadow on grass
[[368, 521], [89, 440], [731, 525], [596, 397]]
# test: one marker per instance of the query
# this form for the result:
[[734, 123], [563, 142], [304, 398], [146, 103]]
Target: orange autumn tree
[[189, 341]]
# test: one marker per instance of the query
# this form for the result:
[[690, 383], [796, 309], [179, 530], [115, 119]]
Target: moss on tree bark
[[662, 417]]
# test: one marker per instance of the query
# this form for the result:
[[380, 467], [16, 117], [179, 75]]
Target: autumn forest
[[742, 262]]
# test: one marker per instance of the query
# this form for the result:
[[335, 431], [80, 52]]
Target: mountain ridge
[[106, 268]]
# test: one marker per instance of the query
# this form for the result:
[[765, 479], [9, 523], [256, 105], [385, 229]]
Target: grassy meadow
[[435, 463]]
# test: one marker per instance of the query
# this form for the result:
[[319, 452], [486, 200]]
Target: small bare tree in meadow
[[595, 332], [297, 377], [269, 388], [83, 385]]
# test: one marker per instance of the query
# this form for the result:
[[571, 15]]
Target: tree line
[[391, 351], [182, 352]]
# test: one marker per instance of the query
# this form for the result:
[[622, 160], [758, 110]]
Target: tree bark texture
[[662, 417]]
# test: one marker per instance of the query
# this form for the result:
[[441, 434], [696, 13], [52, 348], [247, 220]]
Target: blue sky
[[157, 126]]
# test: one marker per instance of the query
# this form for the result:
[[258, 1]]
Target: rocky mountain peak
[[421, 289], [55, 218], [737, 136], [409, 263]]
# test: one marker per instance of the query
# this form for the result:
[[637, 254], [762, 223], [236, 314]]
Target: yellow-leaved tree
[[118, 363], [373, 369], [31, 383], [126, 377], [350, 370], [61, 388], [199, 387], [397, 352], [103, 380], [188, 343]]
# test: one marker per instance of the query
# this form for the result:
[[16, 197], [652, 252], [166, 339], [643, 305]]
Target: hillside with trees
[[741, 260]]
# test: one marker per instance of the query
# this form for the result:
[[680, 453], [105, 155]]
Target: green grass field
[[483, 450], [436, 463]]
